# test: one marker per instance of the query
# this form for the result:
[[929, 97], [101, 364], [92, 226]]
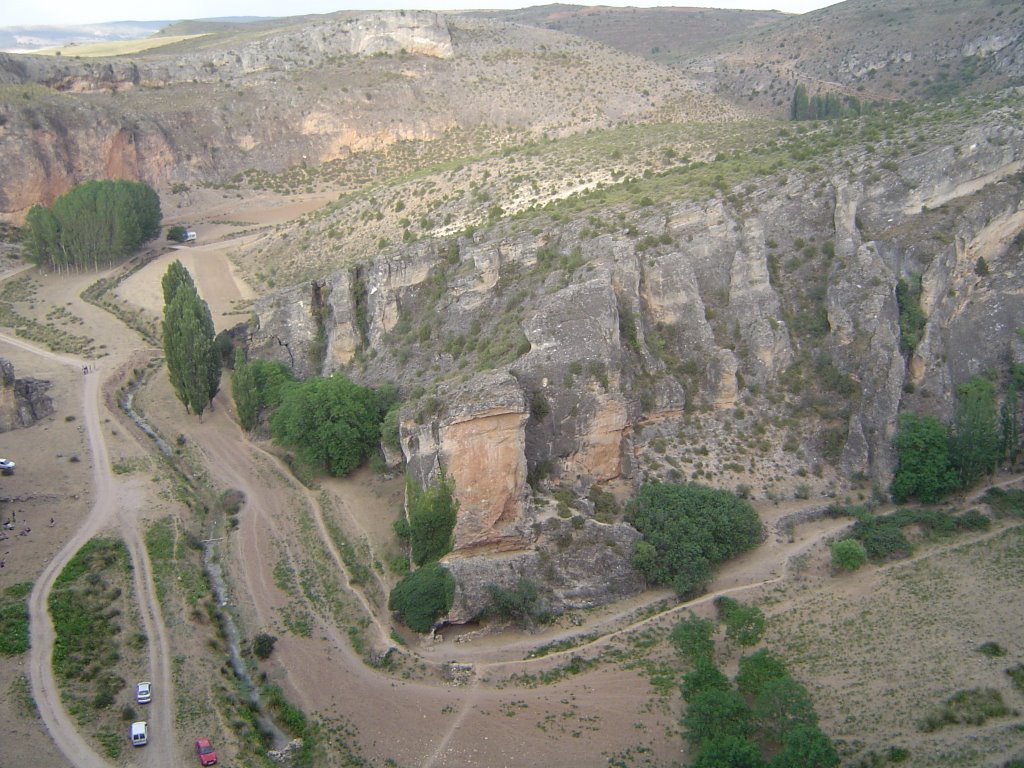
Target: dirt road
[[115, 505]]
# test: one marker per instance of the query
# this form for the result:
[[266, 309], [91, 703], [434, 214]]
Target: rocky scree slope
[[747, 337]]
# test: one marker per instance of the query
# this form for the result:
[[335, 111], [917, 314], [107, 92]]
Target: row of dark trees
[[96, 224], [830, 106]]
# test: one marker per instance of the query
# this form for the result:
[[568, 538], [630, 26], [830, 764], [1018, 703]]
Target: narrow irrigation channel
[[278, 739]]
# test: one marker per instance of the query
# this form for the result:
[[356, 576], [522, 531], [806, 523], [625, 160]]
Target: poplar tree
[[94, 224], [193, 360]]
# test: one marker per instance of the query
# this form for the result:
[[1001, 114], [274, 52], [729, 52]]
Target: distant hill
[[655, 33], [28, 38]]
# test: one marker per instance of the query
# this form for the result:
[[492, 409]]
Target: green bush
[[522, 604], [687, 530], [423, 596], [971, 707], [263, 645], [744, 624], [1005, 502], [693, 638], [14, 637], [991, 649], [973, 520], [177, 233], [1016, 674], [881, 537], [848, 555]]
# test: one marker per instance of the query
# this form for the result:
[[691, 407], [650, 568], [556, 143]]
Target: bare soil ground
[[877, 648]]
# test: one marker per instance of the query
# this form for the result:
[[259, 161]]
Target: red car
[[205, 751]]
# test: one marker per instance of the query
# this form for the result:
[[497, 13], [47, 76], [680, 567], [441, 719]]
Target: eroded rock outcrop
[[477, 436], [23, 402]]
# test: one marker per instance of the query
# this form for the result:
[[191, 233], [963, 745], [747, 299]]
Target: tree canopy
[[424, 595], [331, 423], [256, 387], [976, 444], [687, 530], [923, 467], [94, 224]]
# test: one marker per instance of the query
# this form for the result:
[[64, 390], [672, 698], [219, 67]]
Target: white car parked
[[144, 693], [6, 465]]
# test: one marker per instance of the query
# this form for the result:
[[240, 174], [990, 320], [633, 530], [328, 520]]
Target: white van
[[139, 734]]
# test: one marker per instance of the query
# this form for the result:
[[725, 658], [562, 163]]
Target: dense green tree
[[729, 752], [782, 705], [912, 318], [757, 670], [693, 637], [244, 392], [691, 528], [256, 387], [331, 423], [177, 233], [432, 514], [976, 443], [805, 746], [848, 554], [95, 223], [800, 107], [714, 713], [390, 431], [193, 362], [704, 676], [1009, 422], [42, 238], [923, 468], [423, 596]]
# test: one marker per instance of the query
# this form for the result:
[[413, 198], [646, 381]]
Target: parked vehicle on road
[[139, 734], [144, 693], [207, 755]]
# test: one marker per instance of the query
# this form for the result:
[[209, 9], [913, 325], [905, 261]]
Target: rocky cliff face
[[306, 92], [731, 344], [23, 402], [104, 119]]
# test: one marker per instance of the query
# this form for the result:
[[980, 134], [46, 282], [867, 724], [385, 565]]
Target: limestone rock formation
[[551, 361], [23, 402]]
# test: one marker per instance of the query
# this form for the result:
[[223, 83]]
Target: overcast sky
[[14, 13]]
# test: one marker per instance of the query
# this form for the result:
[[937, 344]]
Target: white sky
[[34, 12]]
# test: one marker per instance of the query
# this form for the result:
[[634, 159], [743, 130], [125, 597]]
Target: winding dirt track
[[111, 508]]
